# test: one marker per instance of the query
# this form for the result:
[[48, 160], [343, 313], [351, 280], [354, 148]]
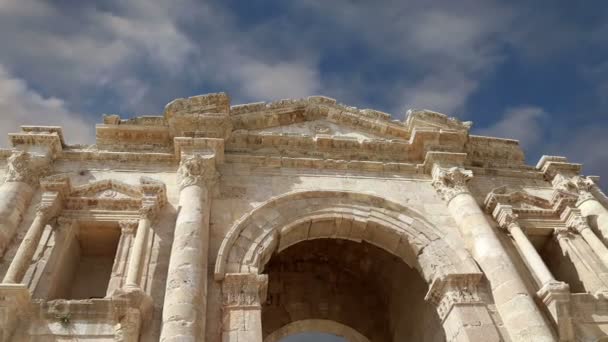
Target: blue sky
[[532, 70]]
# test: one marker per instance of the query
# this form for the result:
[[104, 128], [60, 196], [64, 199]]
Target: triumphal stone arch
[[236, 223]]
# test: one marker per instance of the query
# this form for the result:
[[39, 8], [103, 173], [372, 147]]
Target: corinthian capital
[[22, 168], [450, 182], [197, 169]]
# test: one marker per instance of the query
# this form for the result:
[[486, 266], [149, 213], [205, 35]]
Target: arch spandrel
[[294, 217]]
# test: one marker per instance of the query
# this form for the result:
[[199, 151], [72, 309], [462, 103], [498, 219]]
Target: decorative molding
[[244, 290], [451, 182], [575, 220], [505, 217], [128, 226], [454, 289], [197, 169], [22, 168]]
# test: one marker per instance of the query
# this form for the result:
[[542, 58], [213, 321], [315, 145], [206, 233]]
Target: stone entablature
[[117, 240]]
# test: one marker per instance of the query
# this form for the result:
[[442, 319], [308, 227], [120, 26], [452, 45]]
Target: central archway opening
[[352, 290]]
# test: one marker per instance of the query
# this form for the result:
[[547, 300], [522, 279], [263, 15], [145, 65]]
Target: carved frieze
[[22, 168]]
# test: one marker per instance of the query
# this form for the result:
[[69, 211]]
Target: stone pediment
[[106, 194], [524, 202], [107, 188], [318, 127]]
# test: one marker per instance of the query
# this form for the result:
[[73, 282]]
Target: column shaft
[[523, 319], [593, 208], [26, 250], [595, 243], [532, 257], [137, 253], [186, 293], [14, 199], [242, 296]]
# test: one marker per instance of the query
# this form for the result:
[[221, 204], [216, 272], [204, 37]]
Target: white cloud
[[278, 81], [522, 123], [20, 105]]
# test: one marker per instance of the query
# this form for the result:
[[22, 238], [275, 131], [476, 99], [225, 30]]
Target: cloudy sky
[[536, 71]]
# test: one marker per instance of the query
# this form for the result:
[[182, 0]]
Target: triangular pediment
[[107, 189], [317, 127]]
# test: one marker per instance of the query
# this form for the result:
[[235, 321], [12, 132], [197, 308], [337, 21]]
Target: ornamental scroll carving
[[244, 290], [583, 186], [21, 168], [197, 169], [451, 182], [445, 292]]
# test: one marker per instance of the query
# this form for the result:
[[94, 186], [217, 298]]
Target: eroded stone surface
[[214, 222]]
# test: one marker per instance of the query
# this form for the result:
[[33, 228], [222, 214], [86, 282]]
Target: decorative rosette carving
[[197, 169], [450, 182]]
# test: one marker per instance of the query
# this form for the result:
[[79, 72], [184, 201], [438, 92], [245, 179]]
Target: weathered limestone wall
[[175, 218]]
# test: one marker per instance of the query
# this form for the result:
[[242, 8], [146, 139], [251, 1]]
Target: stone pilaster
[[138, 250], [119, 269], [588, 204], [522, 318], [575, 220], [186, 292], [462, 312], [242, 298], [23, 172], [565, 238], [556, 297]]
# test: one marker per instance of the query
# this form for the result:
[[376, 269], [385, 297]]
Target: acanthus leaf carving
[[197, 169], [22, 168], [455, 289], [451, 182]]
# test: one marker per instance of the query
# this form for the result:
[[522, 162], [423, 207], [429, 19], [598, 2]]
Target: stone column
[[242, 298], [593, 282], [522, 318], [587, 202], [463, 314], [185, 302], [139, 248], [575, 220], [508, 221], [553, 293], [127, 231], [28, 246], [16, 194]]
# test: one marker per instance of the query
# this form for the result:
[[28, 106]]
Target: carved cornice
[[505, 217], [244, 290], [451, 182], [22, 167], [575, 220], [454, 289], [197, 169]]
